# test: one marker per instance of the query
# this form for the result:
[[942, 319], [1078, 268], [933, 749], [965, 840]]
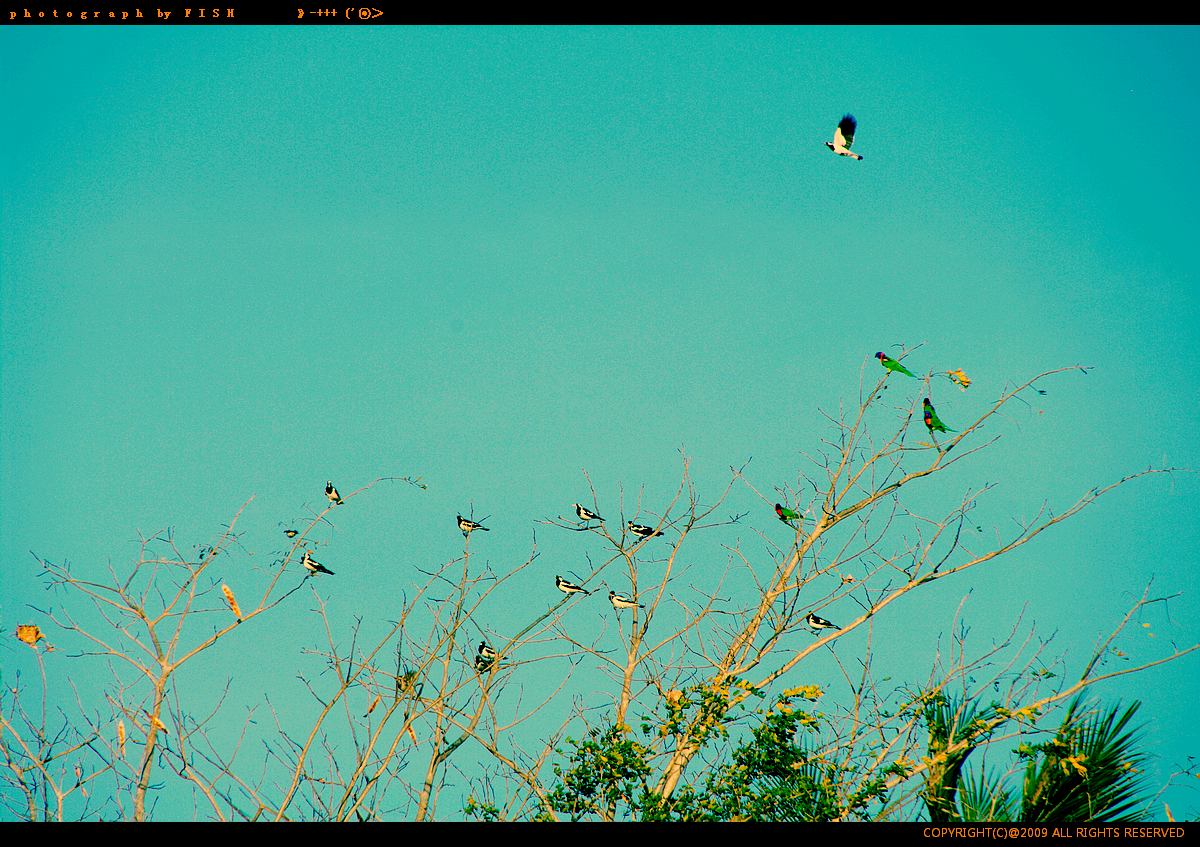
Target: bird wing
[[843, 136]]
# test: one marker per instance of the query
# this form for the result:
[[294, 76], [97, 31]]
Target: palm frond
[[1090, 771]]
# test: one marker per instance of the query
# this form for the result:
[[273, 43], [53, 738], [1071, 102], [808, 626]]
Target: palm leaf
[[1089, 772]]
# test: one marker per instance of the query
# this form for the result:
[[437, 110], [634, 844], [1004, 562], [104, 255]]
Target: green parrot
[[786, 514], [933, 421], [892, 365]]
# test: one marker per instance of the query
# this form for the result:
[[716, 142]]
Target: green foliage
[[777, 774], [606, 769], [1090, 770], [984, 798], [951, 722], [480, 811]]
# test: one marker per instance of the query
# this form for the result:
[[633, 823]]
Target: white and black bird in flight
[[587, 514], [820, 623], [312, 565], [641, 530], [469, 526], [331, 493], [843, 137], [623, 601], [568, 587]]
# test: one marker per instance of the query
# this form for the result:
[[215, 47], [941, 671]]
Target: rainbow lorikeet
[[933, 421], [892, 365], [786, 514]]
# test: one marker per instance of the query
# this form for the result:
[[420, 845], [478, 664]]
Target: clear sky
[[240, 261]]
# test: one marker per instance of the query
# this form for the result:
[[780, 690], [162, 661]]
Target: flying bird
[[623, 601], [331, 493], [568, 587], [786, 514], [586, 514], [933, 421], [642, 531], [314, 567], [820, 623], [469, 526], [892, 365], [843, 137]]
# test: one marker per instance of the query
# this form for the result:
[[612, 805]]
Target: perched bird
[[568, 587], [469, 526], [642, 531], [313, 566], [483, 665], [623, 601], [933, 421], [331, 493], [786, 514], [291, 533], [486, 652], [843, 137], [820, 623], [892, 365], [587, 515]]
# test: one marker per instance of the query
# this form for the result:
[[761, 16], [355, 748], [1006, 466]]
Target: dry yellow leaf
[[374, 703], [959, 378], [229, 598], [30, 634], [121, 738], [156, 722]]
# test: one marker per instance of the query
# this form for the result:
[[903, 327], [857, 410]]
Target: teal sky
[[239, 261]]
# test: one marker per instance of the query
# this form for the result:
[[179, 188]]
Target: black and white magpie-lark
[[331, 493], [587, 514], [312, 565], [623, 601], [568, 587], [641, 530], [820, 623], [469, 526]]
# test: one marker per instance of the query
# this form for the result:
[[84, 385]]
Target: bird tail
[[484, 528]]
